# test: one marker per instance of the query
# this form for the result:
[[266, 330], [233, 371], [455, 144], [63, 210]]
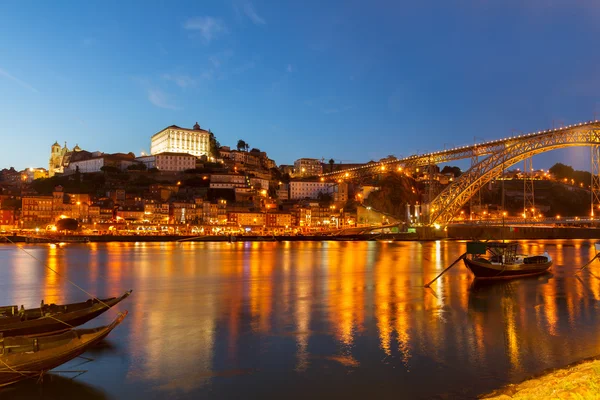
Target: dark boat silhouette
[[22, 357], [499, 260], [51, 319]]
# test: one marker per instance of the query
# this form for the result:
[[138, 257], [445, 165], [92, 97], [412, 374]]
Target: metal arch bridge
[[500, 154]]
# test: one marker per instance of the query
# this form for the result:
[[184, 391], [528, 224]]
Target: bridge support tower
[[475, 200], [528, 194], [595, 186]]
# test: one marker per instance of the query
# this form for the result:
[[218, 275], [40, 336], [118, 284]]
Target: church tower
[[55, 164]]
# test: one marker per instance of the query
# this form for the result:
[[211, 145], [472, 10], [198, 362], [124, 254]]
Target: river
[[307, 319]]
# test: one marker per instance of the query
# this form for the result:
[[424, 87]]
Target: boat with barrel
[[23, 357], [501, 260], [52, 318]]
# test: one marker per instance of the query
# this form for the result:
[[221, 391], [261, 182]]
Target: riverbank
[[205, 238], [578, 381]]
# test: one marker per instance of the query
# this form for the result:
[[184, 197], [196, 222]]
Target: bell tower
[[55, 161]]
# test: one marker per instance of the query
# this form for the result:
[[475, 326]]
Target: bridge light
[[557, 216], [347, 175]]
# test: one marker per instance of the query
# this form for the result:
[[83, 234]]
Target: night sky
[[348, 80]]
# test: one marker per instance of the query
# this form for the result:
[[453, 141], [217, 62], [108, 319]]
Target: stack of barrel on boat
[[34, 341]]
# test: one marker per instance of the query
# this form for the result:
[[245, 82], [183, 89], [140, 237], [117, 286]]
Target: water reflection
[[223, 320], [54, 387]]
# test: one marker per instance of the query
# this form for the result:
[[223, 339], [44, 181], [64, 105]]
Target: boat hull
[[56, 321], [23, 358], [485, 270]]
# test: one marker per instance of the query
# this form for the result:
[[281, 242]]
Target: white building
[[169, 161], [310, 189], [181, 140], [259, 183], [97, 160], [304, 189], [307, 167]]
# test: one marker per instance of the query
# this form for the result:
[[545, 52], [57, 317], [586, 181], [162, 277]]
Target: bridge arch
[[445, 206]]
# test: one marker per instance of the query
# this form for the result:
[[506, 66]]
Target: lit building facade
[[59, 158], [31, 174], [307, 167], [175, 139], [228, 181], [169, 161], [309, 189]]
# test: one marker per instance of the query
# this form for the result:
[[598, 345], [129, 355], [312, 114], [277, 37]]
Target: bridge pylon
[[475, 200], [595, 184], [528, 195]]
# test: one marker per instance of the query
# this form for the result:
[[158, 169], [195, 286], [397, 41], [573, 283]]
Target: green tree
[[214, 145], [67, 224], [561, 171], [451, 170], [241, 145]]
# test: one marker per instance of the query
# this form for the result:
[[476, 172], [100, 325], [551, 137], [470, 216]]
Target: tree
[[241, 145], [214, 145], [109, 169], [67, 224], [561, 171], [137, 167], [451, 170], [331, 163]]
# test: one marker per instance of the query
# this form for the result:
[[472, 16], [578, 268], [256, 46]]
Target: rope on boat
[[12, 370], [444, 271], [57, 273], [56, 319], [588, 263]]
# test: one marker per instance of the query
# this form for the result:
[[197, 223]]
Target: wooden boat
[[51, 318], [22, 357], [498, 260]]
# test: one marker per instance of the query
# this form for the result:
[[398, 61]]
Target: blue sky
[[349, 80]]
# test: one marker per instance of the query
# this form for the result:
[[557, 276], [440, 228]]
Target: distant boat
[[51, 318], [22, 358], [497, 260]]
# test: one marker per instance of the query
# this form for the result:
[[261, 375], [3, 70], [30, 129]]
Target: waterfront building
[[169, 161], [174, 139], [214, 212], [93, 213], [79, 206], [247, 219], [278, 220], [307, 167], [156, 212], [36, 211], [183, 212], [7, 219], [130, 213]]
